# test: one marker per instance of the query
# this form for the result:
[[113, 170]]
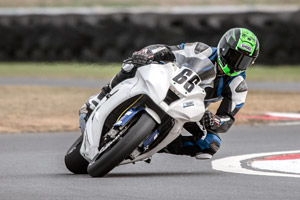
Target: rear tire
[[74, 160], [123, 148]]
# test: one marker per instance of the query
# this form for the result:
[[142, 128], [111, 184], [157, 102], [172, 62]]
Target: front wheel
[[123, 148], [74, 160]]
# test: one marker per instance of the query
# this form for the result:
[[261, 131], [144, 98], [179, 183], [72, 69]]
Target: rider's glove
[[211, 121], [142, 57]]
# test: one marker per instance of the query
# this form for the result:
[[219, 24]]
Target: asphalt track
[[84, 83], [32, 168]]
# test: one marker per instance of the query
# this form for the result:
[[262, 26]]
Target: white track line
[[291, 166], [233, 164], [288, 115]]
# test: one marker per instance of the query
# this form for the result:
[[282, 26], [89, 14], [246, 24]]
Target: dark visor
[[237, 60]]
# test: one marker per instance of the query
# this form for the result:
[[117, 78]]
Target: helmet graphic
[[237, 50]]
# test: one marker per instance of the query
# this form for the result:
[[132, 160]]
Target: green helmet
[[237, 50]]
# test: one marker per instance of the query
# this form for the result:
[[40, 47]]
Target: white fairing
[[155, 81]]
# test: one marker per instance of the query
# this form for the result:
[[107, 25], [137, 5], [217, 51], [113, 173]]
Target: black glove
[[142, 57], [211, 121]]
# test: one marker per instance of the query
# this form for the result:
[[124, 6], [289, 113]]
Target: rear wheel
[[74, 160], [123, 148]]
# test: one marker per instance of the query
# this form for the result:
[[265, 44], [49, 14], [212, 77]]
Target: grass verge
[[282, 73], [98, 71], [58, 70]]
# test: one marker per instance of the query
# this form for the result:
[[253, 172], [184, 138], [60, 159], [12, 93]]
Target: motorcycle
[[139, 117]]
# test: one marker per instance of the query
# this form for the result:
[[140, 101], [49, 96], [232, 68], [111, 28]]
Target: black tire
[[74, 160], [123, 148]]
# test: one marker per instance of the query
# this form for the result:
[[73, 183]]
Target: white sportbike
[[138, 118]]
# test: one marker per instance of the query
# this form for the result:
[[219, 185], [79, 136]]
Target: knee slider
[[211, 143]]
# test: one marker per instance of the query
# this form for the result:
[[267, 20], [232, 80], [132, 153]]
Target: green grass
[[107, 71], [59, 70], [281, 73]]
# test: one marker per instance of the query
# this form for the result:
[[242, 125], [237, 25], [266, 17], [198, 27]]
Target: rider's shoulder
[[238, 79], [242, 74]]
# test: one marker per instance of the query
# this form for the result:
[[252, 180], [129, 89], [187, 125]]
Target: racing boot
[[200, 149]]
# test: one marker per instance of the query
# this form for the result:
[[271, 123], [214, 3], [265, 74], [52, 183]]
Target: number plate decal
[[188, 78]]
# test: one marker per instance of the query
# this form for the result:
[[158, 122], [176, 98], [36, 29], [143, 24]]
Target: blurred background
[[54, 54], [110, 30]]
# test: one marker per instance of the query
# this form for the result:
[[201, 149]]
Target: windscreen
[[203, 67]]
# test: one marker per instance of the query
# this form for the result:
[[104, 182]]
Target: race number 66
[[185, 77]]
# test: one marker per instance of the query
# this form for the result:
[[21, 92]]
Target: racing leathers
[[230, 90]]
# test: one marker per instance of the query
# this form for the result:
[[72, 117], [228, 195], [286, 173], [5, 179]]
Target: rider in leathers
[[225, 81]]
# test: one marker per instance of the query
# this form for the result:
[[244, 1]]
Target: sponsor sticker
[[188, 104], [246, 47]]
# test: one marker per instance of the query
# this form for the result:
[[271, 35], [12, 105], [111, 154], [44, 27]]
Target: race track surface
[[32, 168], [270, 86]]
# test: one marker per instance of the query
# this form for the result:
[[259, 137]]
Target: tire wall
[[114, 36]]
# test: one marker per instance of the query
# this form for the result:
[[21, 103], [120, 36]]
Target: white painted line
[[233, 164], [288, 115], [287, 166]]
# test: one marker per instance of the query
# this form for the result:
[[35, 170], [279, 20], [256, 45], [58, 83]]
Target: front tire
[[123, 148], [74, 160]]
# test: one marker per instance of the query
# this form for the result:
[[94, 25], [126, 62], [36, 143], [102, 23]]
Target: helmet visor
[[237, 61]]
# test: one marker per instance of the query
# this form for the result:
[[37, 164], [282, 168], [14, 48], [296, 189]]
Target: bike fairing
[[146, 82]]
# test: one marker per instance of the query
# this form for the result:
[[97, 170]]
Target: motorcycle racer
[[237, 49]]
